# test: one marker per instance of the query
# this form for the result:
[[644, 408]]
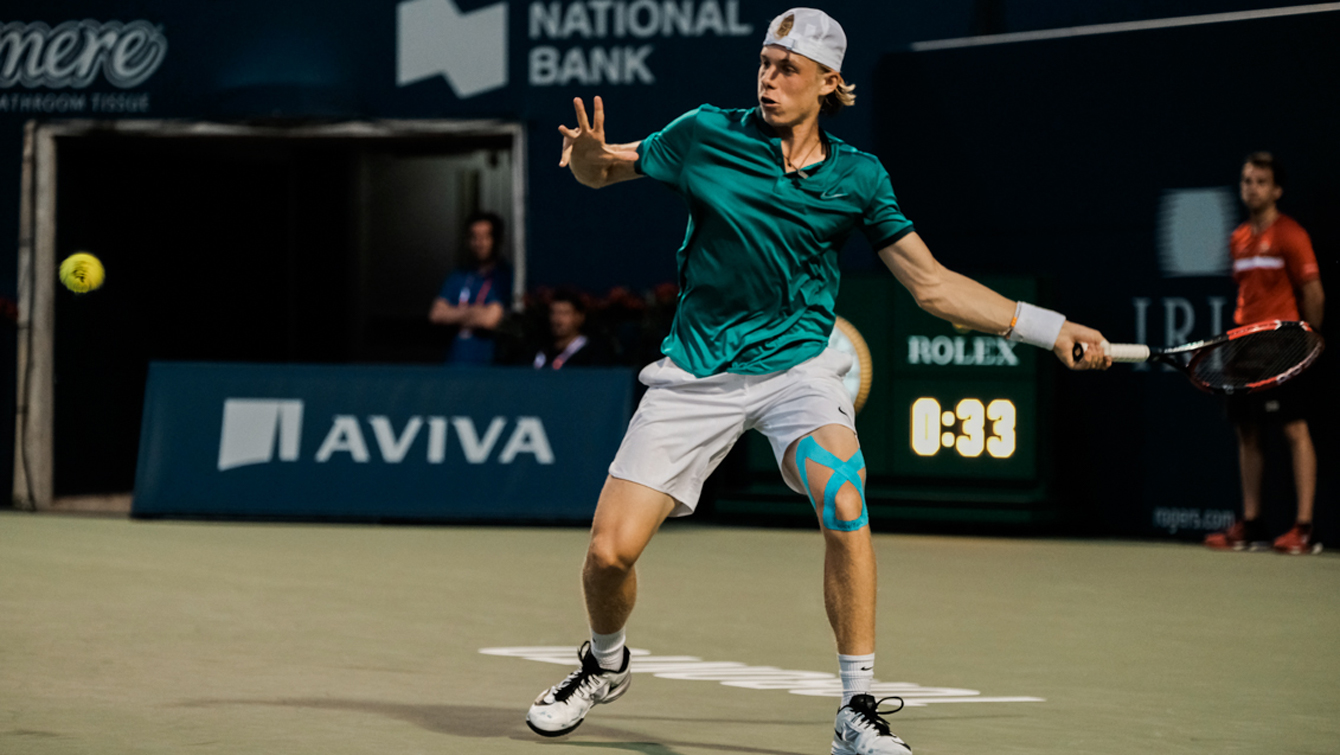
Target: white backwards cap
[[809, 32]]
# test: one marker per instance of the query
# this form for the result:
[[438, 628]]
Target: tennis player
[[772, 198]]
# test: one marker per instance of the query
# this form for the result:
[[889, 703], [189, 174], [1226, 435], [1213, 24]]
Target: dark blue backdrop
[[1009, 159]]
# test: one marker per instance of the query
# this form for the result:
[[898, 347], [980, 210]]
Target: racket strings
[[1244, 362]]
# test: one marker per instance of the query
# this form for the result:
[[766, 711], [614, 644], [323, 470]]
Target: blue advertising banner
[[378, 442]]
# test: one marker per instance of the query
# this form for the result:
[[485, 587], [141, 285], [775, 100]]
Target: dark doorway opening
[[251, 249]]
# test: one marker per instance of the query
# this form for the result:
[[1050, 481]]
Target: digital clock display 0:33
[[965, 428], [983, 427]]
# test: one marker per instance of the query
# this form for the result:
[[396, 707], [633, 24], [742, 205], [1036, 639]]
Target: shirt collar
[[767, 132]]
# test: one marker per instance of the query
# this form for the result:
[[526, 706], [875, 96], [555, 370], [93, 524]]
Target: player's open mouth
[[767, 102]]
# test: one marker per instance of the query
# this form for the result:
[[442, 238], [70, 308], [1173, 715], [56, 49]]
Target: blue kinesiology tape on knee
[[843, 472]]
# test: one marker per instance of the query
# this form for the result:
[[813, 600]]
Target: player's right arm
[[959, 299], [594, 162]]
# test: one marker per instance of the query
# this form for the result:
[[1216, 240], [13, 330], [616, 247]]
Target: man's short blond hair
[[843, 96]]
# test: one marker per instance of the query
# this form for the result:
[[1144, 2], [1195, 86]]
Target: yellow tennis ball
[[81, 272]]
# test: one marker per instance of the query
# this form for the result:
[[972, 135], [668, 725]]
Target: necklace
[[787, 162]]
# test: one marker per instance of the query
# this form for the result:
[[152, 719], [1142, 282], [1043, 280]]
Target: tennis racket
[[1251, 358]]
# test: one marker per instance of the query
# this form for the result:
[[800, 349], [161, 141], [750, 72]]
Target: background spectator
[[473, 298], [567, 344]]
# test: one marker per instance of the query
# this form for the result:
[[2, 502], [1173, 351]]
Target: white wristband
[[1036, 326]]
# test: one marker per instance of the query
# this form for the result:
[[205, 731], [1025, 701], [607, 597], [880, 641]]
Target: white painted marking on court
[[735, 674], [1158, 23]]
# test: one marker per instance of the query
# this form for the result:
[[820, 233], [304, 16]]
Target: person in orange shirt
[[1278, 279]]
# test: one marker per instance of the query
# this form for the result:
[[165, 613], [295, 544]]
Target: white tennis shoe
[[563, 707], [860, 729]]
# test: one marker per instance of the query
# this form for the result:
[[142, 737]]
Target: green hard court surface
[[121, 636]]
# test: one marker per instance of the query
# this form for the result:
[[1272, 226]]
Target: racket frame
[[1134, 353]]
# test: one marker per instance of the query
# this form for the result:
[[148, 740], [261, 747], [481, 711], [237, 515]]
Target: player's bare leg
[[626, 518], [849, 557], [849, 584]]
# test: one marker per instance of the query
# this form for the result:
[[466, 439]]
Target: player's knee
[[849, 504], [848, 512], [838, 497], [606, 556]]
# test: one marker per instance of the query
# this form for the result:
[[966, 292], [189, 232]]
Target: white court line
[[1086, 31], [741, 675]]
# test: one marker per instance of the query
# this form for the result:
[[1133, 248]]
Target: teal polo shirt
[[758, 270]]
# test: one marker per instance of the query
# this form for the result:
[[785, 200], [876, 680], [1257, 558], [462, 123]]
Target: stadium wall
[[522, 62]]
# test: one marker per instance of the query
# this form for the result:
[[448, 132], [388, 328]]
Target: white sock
[[608, 649], [857, 671]]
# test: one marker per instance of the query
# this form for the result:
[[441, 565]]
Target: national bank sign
[[469, 50]]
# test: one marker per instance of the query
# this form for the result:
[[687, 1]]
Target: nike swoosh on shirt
[[831, 195]]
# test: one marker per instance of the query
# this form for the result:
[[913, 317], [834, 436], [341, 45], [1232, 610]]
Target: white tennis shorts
[[685, 425]]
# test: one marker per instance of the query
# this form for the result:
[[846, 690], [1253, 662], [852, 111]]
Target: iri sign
[[74, 53]]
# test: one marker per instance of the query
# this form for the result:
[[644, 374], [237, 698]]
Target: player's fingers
[[1093, 358], [582, 122], [1096, 356], [1081, 355], [599, 114], [1071, 352], [565, 153]]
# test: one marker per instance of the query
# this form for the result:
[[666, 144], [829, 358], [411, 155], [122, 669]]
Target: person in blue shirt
[[474, 298], [772, 198]]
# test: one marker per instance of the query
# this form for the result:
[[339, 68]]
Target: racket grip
[[1129, 352]]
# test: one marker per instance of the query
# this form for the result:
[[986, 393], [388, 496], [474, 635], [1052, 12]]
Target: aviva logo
[[255, 429], [468, 49], [251, 426]]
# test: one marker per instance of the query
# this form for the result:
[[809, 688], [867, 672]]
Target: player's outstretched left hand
[[1092, 342], [585, 150]]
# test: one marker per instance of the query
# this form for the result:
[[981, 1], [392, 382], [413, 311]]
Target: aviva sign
[[256, 431], [398, 442]]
